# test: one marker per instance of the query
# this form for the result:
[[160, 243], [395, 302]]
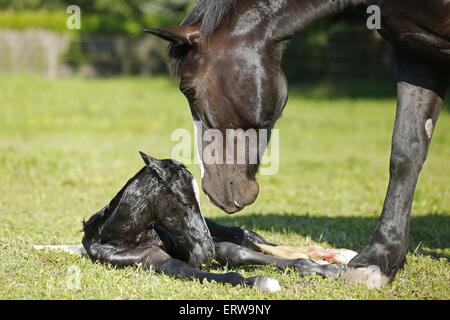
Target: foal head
[[177, 209], [229, 70]]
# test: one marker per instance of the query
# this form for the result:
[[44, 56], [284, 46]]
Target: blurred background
[[77, 105], [34, 38]]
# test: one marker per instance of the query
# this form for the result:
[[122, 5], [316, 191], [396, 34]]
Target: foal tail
[[74, 249], [90, 229]]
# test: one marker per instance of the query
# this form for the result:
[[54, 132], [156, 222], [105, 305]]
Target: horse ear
[[153, 163], [183, 35], [147, 159]]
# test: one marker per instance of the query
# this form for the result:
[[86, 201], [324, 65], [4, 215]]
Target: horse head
[[232, 80]]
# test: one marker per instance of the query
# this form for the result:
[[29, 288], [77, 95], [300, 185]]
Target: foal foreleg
[[235, 255], [181, 269], [157, 259], [421, 89]]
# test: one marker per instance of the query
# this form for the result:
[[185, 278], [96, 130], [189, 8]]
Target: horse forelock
[[208, 14]]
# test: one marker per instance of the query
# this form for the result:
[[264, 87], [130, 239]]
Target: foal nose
[[202, 253]]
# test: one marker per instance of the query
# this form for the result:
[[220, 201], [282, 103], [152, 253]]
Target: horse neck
[[281, 19]]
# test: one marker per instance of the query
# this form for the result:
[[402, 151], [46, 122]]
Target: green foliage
[[31, 4], [100, 16], [68, 145], [94, 23], [53, 20]]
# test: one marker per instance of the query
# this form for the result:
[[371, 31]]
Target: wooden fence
[[349, 52]]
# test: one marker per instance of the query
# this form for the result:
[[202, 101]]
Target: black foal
[[155, 221]]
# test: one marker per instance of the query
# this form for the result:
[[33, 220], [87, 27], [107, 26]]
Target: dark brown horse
[[227, 54]]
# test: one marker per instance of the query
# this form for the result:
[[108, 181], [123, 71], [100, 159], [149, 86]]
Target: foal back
[[128, 220]]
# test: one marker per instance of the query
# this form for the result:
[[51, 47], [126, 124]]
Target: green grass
[[67, 146]]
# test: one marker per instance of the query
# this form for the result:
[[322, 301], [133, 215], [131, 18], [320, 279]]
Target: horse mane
[[209, 14]]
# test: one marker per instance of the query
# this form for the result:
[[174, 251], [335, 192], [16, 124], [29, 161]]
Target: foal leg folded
[[157, 259], [235, 255], [252, 240], [236, 235]]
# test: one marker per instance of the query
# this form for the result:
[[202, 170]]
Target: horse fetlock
[[376, 265], [235, 278]]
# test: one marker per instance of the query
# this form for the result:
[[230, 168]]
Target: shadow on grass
[[430, 234]]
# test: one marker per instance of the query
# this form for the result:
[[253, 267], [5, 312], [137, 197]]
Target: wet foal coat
[[155, 221]]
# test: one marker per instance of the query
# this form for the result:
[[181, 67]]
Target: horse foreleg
[[235, 255], [153, 257], [421, 88]]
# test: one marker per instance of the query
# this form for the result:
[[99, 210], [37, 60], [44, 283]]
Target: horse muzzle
[[228, 189]]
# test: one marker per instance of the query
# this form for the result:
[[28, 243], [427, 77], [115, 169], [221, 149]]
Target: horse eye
[[189, 92]]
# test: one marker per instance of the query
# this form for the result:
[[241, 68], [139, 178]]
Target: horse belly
[[419, 27]]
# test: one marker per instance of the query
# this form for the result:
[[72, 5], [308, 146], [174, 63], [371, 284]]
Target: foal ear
[[183, 35], [147, 159], [153, 163]]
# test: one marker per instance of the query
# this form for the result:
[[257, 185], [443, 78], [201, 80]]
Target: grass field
[[67, 146]]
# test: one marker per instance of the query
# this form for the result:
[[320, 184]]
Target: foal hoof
[[265, 284], [370, 276], [332, 270]]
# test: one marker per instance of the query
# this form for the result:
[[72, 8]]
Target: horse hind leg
[[253, 241], [153, 257], [235, 255]]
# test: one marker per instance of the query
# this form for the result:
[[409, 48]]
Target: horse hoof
[[265, 284], [371, 276]]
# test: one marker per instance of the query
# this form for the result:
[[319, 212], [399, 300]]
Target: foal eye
[[189, 92]]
